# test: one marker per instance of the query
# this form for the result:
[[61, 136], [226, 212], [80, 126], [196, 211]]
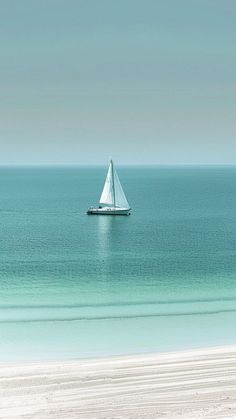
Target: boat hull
[[108, 211]]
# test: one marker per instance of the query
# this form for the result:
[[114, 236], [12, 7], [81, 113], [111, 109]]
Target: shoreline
[[192, 383]]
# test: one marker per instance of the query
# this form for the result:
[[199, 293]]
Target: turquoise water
[[73, 285]]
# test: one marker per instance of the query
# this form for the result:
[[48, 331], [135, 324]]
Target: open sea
[[73, 285]]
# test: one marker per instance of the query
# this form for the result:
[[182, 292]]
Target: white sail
[[107, 196], [113, 193], [120, 198]]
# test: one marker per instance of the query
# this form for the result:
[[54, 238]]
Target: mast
[[113, 183]]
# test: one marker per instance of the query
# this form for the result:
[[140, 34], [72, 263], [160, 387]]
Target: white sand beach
[[187, 384]]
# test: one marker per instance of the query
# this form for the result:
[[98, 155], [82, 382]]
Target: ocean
[[73, 285]]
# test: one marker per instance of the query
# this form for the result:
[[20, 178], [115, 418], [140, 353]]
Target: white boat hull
[[108, 211]]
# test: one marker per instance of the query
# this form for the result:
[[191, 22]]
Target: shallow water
[[73, 285]]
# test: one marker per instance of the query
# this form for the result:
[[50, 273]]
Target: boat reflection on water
[[106, 230]]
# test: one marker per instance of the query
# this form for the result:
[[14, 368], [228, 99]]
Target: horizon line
[[74, 165]]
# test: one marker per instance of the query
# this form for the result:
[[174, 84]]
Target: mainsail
[[107, 196], [113, 193]]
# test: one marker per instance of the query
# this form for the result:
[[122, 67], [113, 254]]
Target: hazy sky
[[144, 81]]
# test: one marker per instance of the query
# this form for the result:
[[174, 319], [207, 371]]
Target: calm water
[[73, 285]]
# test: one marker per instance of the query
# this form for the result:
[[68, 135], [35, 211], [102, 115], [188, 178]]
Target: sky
[[143, 81]]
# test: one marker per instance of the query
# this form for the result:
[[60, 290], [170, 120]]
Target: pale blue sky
[[144, 81]]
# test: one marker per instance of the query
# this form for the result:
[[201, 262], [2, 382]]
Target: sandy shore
[[190, 384]]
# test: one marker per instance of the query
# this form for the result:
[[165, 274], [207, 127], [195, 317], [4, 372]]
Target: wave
[[115, 304], [116, 317]]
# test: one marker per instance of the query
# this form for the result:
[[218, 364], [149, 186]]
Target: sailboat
[[113, 200]]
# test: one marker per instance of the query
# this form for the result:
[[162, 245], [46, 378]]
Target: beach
[[199, 383]]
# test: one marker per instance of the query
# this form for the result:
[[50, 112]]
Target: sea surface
[[73, 285]]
